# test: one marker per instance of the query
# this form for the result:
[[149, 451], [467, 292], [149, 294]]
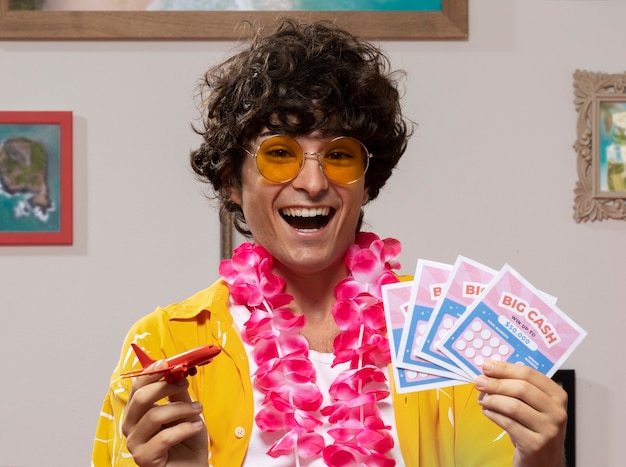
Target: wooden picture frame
[[36, 178], [600, 100], [451, 23]]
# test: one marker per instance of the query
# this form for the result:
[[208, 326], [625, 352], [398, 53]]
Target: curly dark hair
[[296, 79]]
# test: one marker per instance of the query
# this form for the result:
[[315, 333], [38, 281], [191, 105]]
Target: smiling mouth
[[307, 218]]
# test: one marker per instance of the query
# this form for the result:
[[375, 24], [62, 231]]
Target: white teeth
[[306, 212]]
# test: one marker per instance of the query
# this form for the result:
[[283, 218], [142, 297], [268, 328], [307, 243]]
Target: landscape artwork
[[35, 180], [612, 146], [225, 5]]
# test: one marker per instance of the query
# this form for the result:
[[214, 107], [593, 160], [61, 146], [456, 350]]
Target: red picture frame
[[36, 178]]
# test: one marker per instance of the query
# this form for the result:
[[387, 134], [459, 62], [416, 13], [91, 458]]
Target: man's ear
[[366, 197], [234, 194]]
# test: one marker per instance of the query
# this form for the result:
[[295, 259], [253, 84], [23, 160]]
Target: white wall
[[489, 174]]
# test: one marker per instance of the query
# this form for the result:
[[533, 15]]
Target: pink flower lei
[[286, 376]]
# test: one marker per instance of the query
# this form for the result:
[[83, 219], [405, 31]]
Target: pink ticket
[[396, 300], [429, 282], [512, 321], [466, 281]]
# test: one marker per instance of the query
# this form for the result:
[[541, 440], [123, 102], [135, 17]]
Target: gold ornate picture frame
[[451, 23], [600, 99]]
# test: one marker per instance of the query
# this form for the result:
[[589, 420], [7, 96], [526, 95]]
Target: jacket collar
[[216, 295]]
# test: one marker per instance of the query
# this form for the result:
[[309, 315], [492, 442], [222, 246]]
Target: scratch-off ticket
[[430, 280], [396, 301], [466, 281], [512, 321]]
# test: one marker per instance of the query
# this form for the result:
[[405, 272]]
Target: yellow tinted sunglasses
[[280, 159]]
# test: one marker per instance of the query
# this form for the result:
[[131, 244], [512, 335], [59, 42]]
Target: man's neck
[[313, 297]]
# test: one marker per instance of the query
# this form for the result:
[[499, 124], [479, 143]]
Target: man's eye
[[339, 157], [279, 154]]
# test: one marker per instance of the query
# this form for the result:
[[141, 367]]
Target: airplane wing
[[177, 373], [172, 373], [143, 372]]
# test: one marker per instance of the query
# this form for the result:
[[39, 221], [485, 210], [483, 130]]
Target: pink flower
[[392, 247], [362, 339], [263, 324], [371, 434], [370, 260], [369, 348], [351, 455], [307, 444], [250, 279], [288, 382], [290, 345], [270, 419], [361, 310], [356, 392]]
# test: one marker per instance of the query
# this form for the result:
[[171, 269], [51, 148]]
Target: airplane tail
[[143, 357]]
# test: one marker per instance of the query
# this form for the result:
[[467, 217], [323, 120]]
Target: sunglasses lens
[[279, 158], [345, 160]]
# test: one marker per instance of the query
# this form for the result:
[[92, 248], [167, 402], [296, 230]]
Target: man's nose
[[311, 176]]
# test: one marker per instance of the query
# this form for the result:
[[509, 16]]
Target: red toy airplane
[[179, 366]]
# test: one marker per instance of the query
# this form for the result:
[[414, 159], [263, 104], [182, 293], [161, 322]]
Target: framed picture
[[411, 19], [600, 100], [609, 146], [567, 380], [36, 178]]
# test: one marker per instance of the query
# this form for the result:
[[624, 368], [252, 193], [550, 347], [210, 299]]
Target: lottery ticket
[[512, 321], [466, 281], [396, 301], [429, 280]]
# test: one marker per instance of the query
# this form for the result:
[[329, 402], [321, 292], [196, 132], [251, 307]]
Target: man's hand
[[530, 407], [164, 435]]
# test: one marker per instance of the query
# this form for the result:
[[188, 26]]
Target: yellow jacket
[[436, 428]]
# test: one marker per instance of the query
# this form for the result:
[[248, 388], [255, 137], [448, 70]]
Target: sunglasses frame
[[368, 156]]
